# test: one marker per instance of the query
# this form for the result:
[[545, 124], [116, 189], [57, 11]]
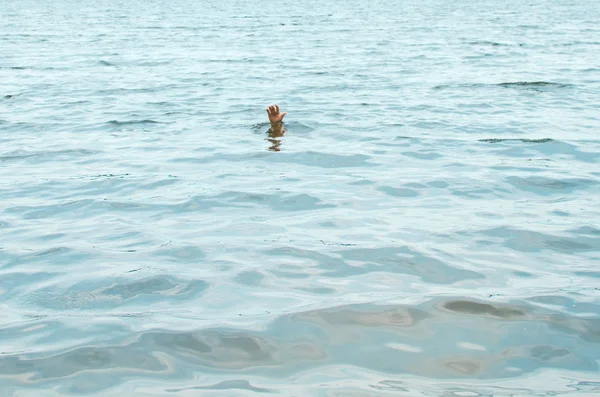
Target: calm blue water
[[428, 226]]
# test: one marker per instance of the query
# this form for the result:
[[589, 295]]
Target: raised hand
[[274, 115]]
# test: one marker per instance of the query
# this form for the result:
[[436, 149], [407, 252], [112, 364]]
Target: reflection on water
[[275, 136]]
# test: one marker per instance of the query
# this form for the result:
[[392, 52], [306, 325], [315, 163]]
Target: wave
[[524, 140], [535, 85], [21, 155], [133, 122], [490, 43], [293, 125], [292, 345]]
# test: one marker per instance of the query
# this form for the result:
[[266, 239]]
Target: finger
[[272, 109], [277, 108], [283, 115]]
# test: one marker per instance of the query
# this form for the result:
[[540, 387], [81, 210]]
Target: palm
[[275, 116]]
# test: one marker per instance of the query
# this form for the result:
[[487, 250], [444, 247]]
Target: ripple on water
[[322, 160], [532, 241], [550, 147], [121, 293], [524, 85], [281, 201], [293, 127], [441, 338], [43, 156], [184, 254], [398, 192], [126, 123], [53, 256], [391, 260], [549, 186], [236, 384]]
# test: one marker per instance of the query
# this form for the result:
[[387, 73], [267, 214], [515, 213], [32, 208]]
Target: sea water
[[429, 225]]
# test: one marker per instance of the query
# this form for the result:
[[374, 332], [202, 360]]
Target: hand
[[274, 115]]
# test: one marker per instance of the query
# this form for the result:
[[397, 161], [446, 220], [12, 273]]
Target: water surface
[[428, 226]]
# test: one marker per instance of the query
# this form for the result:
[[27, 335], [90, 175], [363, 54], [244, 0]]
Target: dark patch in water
[[108, 176], [524, 140], [533, 84], [490, 43], [472, 307], [105, 63], [131, 122]]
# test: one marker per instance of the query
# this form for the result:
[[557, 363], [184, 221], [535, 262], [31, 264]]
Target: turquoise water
[[428, 226]]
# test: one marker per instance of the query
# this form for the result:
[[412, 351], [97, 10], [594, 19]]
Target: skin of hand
[[276, 119]]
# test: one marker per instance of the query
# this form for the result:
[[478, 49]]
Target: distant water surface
[[428, 226]]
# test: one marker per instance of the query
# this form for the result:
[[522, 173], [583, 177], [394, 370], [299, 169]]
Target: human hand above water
[[275, 116]]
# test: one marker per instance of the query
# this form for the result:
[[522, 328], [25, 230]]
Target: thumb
[[283, 115]]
